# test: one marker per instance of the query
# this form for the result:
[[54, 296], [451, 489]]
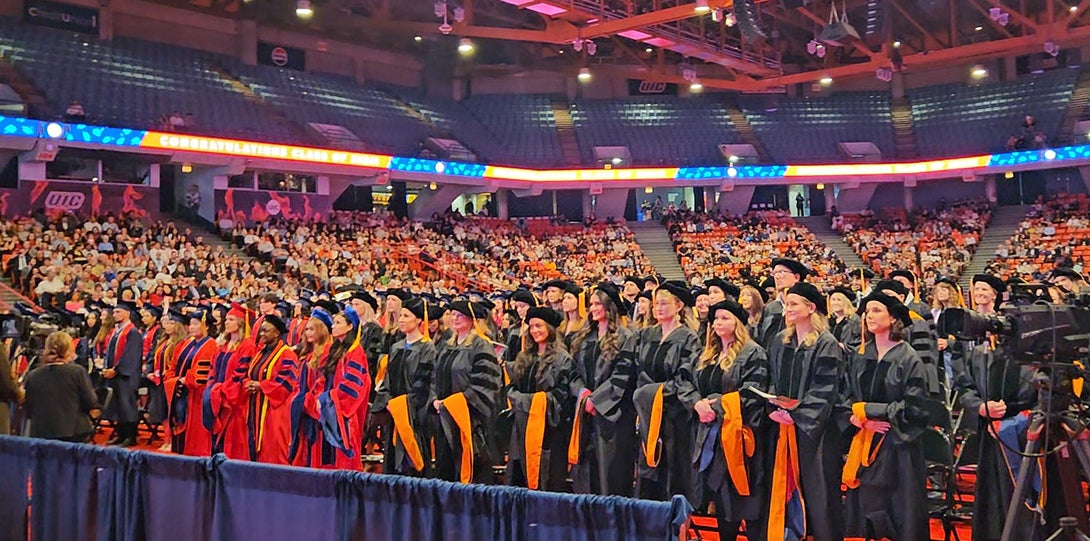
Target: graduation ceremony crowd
[[781, 405]]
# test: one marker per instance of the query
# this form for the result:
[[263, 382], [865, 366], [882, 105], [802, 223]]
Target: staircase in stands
[[904, 131], [301, 133], [8, 295], [745, 130], [656, 245], [821, 228], [14, 78], [569, 143], [1004, 224], [1076, 111]]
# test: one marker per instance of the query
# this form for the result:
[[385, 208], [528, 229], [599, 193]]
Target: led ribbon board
[[130, 138]]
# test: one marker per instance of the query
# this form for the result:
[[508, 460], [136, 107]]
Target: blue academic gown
[[124, 353]]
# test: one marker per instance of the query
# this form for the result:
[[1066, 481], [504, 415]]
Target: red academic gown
[[307, 445], [344, 398], [222, 415], [267, 412], [185, 394]]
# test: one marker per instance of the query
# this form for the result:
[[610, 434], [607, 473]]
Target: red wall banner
[[82, 198], [253, 206]]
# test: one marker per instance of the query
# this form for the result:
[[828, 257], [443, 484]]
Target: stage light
[[584, 75], [617, 161], [701, 6], [54, 130], [303, 9], [1050, 154], [820, 187], [465, 46], [1008, 175]]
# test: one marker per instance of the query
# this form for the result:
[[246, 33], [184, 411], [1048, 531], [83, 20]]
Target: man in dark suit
[[123, 363]]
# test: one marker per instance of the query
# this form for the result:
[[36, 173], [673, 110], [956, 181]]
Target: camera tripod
[[1056, 422]]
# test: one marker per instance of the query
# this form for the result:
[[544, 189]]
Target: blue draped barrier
[[68, 492]]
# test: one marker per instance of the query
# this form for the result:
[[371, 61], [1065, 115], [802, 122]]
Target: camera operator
[[992, 387], [1068, 280], [59, 395]]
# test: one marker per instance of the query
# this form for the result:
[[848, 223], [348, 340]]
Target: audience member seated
[[935, 243], [739, 248], [1055, 231]]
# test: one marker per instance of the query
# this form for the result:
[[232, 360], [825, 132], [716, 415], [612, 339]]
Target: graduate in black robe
[[785, 273], [602, 452], [806, 363], [729, 422], [463, 399], [542, 405], [844, 323], [123, 367], [406, 448], [993, 387], [922, 337], [885, 401], [665, 392]]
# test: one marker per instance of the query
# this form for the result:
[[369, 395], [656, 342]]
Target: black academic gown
[[409, 373], [124, 353], [712, 482], [771, 324], [551, 375], [848, 331], [922, 338], [811, 374], [469, 368], [372, 340], [669, 363], [993, 375], [891, 500], [607, 438]]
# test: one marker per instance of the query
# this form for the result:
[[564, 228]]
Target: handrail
[[33, 305], [457, 277]]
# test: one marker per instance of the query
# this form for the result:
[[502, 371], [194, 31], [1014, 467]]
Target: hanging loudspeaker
[[747, 20], [879, 25]]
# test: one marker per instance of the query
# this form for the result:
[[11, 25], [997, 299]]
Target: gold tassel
[[427, 333], [582, 297]]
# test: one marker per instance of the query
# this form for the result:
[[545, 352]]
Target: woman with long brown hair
[[753, 302], [886, 400], [665, 393], [162, 361], [602, 449], [539, 397], [729, 472], [575, 313]]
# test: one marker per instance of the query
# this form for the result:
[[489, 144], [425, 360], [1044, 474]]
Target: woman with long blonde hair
[[645, 316], [805, 363], [730, 361], [603, 448], [665, 393], [234, 350], [313, 354]]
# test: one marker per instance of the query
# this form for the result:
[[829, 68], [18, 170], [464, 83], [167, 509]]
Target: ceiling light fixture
[[701, 6], [584, 75], [465, 46], [303, 9]]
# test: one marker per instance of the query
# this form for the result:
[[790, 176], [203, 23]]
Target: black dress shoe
[[127, 442]]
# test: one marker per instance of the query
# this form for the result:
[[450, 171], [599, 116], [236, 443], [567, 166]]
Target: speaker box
[[879, 26], [746, 15]]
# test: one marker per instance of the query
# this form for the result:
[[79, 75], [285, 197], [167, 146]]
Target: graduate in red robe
[[234, 351], [270, 383], [185, 387], [313, 351], [343, 388]]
